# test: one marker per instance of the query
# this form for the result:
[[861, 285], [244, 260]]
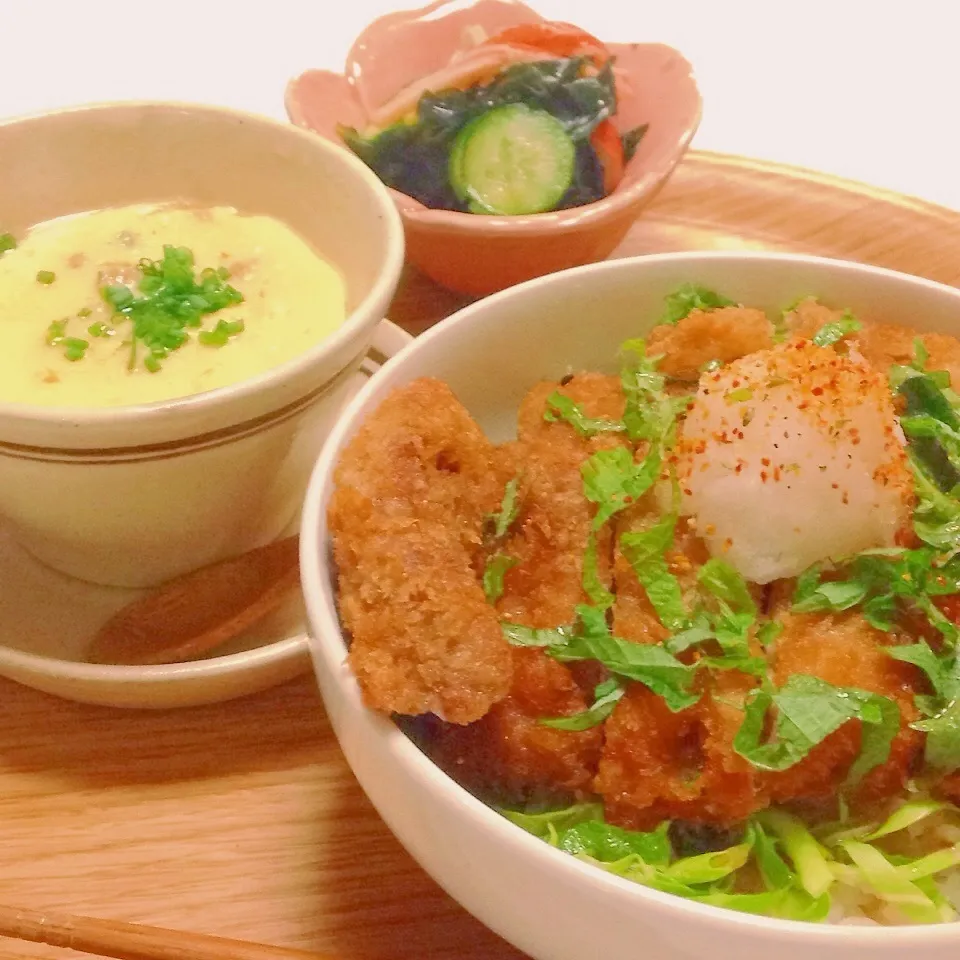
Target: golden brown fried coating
[[659, 765], [634, 617], [846, 651], [406, 521], [551, 534], [884, 344], [808, 316], [510, 754], [724, 334]]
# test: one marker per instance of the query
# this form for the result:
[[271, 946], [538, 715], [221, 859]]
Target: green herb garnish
[[221, 333], [606, 696], [56, 331], [493, 574], [561, 407], [46, 277], [7, 242], [504, 519], [497, 526], [649, 664], [831, 333], [689, 297], [649, 414], [884, 583], [808, 710], [172, 300], [74, 348], [645, 551]]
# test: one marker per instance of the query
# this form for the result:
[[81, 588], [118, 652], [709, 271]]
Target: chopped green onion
[[46, 276], [7, 242], [56, 331], [74, 348]]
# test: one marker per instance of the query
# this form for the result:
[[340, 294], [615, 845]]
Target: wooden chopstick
[[132, 941]]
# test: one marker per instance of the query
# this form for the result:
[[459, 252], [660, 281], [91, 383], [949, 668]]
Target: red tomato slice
[[555, 38], [608, 146]]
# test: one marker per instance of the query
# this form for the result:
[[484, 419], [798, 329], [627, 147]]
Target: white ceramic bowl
[[546, 902], [134, 495]]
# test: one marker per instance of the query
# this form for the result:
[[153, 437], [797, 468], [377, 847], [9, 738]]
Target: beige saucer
[[47, 619]]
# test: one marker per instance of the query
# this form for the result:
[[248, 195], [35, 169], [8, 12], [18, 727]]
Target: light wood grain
[[242, 820]]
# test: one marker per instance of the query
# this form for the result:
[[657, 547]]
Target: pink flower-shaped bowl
[[478, 254]]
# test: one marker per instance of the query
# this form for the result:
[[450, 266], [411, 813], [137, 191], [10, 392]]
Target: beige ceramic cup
[[131, 496]]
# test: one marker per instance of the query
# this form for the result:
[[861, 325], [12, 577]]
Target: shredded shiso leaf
[[779, 865]]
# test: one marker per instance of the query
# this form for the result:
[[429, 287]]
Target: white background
[[841, 86]]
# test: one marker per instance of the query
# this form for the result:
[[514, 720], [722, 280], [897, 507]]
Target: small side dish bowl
[[134, 495], [479, 254], [546, 902]]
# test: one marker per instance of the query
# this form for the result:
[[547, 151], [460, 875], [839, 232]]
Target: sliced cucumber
[[512, 160]]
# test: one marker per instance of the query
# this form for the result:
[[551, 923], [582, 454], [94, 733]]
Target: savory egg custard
[[144, 303]]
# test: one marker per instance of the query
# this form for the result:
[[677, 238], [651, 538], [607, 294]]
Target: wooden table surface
[[243, 819]]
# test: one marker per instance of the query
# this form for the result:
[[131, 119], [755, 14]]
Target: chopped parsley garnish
[[7, 242], [46, 277], [689, 297], [170, 301]]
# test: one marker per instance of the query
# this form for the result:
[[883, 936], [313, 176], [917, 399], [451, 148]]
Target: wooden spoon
[[199, 611]]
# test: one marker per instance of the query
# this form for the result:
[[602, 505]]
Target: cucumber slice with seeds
[[512, 160]]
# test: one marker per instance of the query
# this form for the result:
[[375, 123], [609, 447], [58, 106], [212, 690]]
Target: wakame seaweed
[[413, 157]]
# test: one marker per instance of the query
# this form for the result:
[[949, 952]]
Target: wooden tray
[[243, 819]]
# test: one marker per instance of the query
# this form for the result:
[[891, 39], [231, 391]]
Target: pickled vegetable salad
[[537, 136]]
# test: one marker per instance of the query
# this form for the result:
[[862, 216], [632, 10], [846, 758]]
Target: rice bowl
[[492, 342]]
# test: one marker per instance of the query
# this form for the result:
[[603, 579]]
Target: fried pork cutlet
[[723, 334], [412, 489], [657, 764], [846, 651], [510, 753]]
